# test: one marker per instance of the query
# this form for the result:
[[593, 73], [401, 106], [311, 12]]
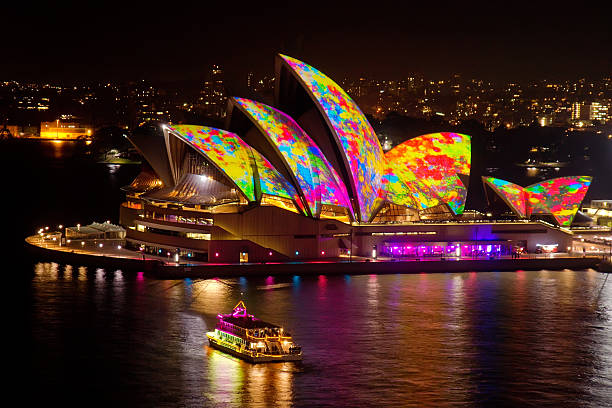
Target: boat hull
[[259, 358]]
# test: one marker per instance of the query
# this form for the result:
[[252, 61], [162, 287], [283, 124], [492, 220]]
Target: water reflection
[[239, 383], [523, 338]]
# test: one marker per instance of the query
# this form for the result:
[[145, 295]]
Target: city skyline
[[454, 99]]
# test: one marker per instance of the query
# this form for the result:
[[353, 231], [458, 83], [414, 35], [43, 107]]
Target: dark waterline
[[95, 337]]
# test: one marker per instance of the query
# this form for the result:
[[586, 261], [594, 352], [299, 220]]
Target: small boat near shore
[[243, 335]]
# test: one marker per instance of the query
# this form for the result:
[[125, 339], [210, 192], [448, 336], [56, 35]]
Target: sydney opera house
[[307, 178]]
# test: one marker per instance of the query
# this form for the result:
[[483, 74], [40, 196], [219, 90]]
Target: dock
[[157, 267]]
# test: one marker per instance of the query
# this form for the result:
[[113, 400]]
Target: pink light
[[239, 310], [216, 254], [270, 253], [322, 252]]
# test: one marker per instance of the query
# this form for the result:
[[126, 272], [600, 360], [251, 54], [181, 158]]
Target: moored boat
[[243, 335]]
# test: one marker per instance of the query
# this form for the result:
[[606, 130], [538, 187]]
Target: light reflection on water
[[522, 338]]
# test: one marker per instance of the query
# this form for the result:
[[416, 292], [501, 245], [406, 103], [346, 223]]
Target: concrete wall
[[282, 231], [260, 230], [286, 232]]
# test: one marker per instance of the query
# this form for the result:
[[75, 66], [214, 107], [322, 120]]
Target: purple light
[[239, 310]]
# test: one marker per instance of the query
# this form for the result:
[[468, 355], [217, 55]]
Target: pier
[[161, 267]]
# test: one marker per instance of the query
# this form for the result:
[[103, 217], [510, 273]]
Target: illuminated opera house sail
[[559, 197], [295, 179]]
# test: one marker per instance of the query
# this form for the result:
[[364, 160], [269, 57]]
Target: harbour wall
[[158, 269]]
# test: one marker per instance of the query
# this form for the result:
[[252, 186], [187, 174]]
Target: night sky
[[178, 41]]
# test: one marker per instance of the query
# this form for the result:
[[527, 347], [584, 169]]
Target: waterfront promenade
[[163, 267]]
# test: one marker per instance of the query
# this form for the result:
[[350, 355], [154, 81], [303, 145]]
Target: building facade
[[307, 178]]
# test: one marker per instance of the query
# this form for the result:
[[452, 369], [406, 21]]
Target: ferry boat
[[244, 336]]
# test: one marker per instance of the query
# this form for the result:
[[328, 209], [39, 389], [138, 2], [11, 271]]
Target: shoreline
[[158, 269]]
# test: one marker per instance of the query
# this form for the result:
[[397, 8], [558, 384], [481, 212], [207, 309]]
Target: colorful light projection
[[317, 179], [225, 149], [428, 167], [240, 162], [559, 196], [512, 194], [404, 188], [354, 135], [271, 182]]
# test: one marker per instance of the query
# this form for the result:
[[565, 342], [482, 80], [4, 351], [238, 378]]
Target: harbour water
[[93, 337], [469, 339]]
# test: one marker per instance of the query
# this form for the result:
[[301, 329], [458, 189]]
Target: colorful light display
[[560, 197], [354, 135], [404, 188], [271, 181], [317, 179], [225, 149], [242, 164], [427, 167], [513, 194]]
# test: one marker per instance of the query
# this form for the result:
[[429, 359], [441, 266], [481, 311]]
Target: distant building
[[586, 113], [579, 111], [33, 102], [598, 111], [546, 120], [600, 211], [146, 103], [213, 98], [64, 130]]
